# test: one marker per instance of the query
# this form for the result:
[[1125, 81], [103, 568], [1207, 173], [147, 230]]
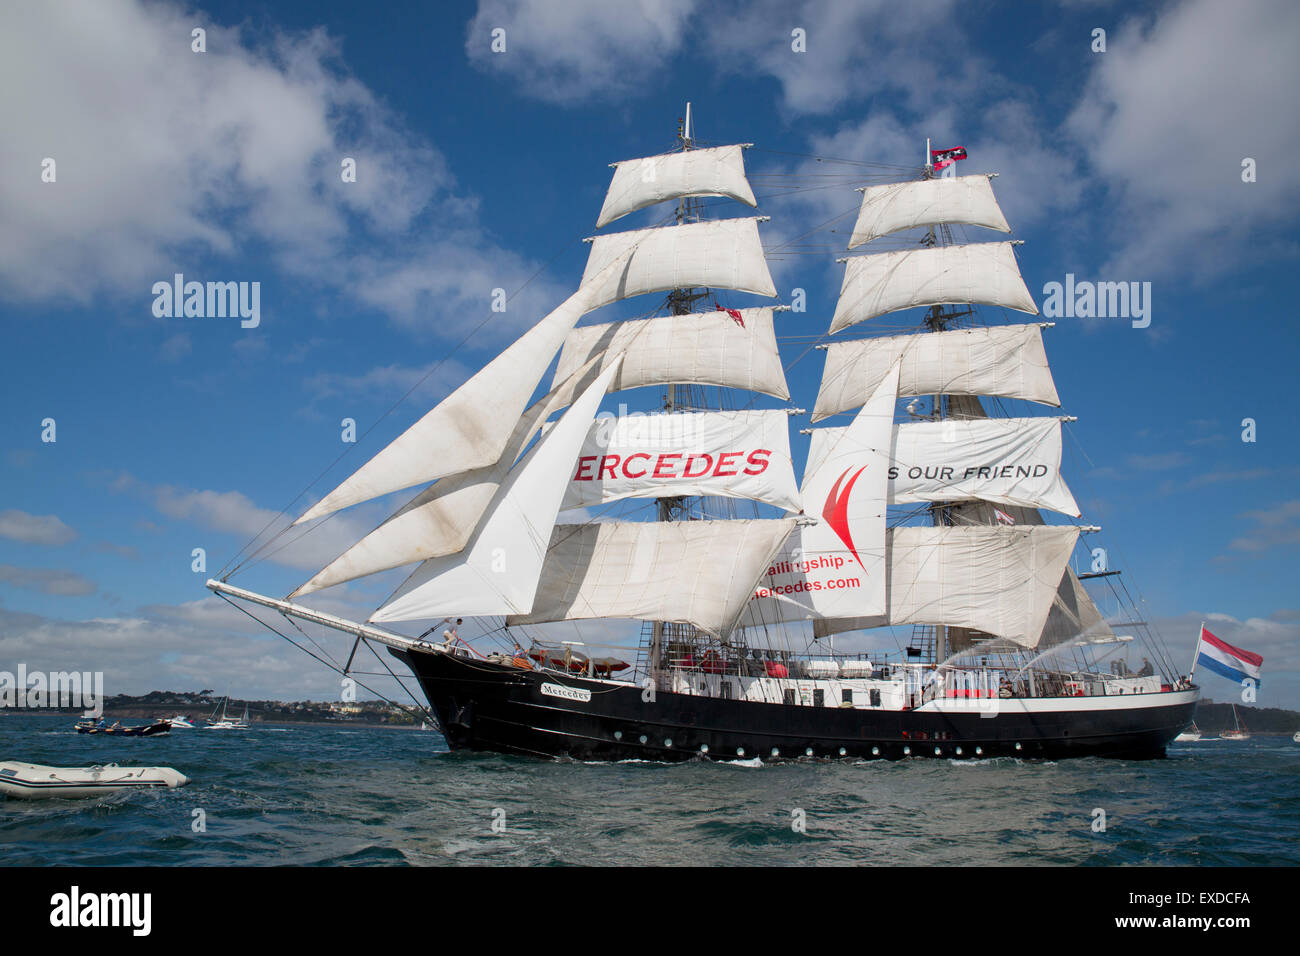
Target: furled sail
[[731, 454], [1012, 461], [637, 183], [471, 426], [983, 273], [929, 202], [700, 573], [441, 518], [1003, 360], [498, 571], [999, 580], [723, 254], [709, 348]]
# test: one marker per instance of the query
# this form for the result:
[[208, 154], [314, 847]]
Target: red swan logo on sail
[[836, 511]]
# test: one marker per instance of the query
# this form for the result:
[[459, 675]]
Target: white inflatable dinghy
[[32, 781]]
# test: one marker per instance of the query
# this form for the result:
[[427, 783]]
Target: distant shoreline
[[254, 722]]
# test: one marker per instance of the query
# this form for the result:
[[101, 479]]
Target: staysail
[[441, 518], [892, 207], [836, 567], [498, 571], [983, 273], [471, 427], [638, 183], [1004, 360]]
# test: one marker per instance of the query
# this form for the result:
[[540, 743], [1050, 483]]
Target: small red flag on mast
[[940, 158], [735, 314]]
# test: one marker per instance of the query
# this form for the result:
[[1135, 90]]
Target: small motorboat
[[32, 781], [156, 729], [180, 720], [1191, 734], [1296, 736]]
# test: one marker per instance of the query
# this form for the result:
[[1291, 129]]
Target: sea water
[[360, 796]]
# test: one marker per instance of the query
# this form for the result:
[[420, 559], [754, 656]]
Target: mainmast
[[680, 302]]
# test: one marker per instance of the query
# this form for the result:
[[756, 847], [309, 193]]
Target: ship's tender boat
[[30, 781]]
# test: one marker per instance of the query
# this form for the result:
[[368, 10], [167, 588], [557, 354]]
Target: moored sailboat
[[225, 722], [1238, 731], [933, 523]]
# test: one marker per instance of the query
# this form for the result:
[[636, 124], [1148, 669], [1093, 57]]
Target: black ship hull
[[495, 707]]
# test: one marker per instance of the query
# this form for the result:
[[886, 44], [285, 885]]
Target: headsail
[[700, 573], [982, 273], [498, 571], [721, 254], [1005, 360], [470, 427], [639, 183], [442, 517], [709, 348], [928, 202]]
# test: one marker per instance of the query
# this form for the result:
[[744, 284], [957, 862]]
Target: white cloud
[[1169, 113], [48, 581], [34, 529], [579, 49], [309, 547], [170, 160], [182, 651], [853, 50]]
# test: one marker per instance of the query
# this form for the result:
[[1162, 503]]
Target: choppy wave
[[331, 797]]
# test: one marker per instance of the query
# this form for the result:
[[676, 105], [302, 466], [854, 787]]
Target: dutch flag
[[1225, 660]]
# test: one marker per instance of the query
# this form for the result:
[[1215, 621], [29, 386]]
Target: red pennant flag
[[735, 315], [941, 158]]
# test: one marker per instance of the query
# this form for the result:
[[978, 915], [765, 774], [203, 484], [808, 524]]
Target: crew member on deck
[[1147, 670]]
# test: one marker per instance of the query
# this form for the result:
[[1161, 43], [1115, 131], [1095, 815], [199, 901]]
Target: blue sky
[[480, 170]]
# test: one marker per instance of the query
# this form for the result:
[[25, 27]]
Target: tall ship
[[744, 610]]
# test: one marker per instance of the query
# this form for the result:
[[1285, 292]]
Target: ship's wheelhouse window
[[875, 697], [819, 698], [849, 696], [789, 696], [724, 688]]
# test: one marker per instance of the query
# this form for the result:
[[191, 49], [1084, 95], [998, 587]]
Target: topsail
[[638, 183], [927, 202]]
